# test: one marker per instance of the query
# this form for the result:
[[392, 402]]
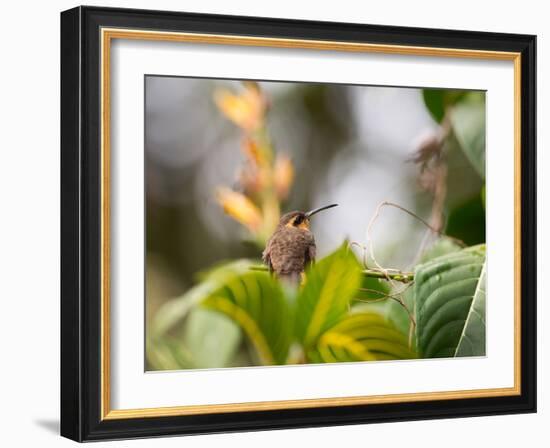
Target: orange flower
[[249, 179], [245, 110], [284, 175], [252, 151], [240, 208], [264, 179]]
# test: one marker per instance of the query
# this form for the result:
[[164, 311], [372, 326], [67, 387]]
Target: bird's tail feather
[[293, 278]]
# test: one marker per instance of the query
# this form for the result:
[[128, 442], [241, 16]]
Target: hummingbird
[[292, 246]]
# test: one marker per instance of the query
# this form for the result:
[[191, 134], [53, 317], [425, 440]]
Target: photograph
[[272, 223], [294, 223]]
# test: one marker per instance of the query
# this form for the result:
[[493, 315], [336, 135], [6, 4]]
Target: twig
[[408, 212], [430, 227], [402, 277], [385, 274], [393, 297], [399, 299], [363, 249]]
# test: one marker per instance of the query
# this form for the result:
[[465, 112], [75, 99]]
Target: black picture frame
[[81, 227]]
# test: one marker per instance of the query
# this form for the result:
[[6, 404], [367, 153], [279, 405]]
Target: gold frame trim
[[107, 35]]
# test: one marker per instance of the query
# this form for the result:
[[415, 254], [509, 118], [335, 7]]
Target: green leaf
[[399, 316], [325, 297], [371, 289], [472, 340], [437, 100], [372, 296], [395, 312], [211, 338], [167, 353], [468, 122], [433, 98], [175, 310], [449, 291], [442, 246], [256, 302], [388, 307], [361, 337], [467, 221]]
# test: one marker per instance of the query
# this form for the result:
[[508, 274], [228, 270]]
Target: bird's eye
[[298, 220]]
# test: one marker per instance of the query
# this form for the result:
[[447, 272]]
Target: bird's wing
[[310, 253], [266, 256]]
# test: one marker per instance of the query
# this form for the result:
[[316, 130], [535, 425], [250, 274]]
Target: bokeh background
[[353, 145]]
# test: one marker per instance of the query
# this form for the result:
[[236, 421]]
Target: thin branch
[[385, 271], [393, 297], [402, 277], [408, 212], [375, 291], [397, 296], [363, 249], [430, 227], [385, 274]]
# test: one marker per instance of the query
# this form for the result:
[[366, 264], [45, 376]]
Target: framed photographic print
[[275, 224]]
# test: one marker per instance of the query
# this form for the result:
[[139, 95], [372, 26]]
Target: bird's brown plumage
[[291, 247]]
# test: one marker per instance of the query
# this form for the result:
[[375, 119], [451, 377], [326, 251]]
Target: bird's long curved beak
[[320, 209]]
